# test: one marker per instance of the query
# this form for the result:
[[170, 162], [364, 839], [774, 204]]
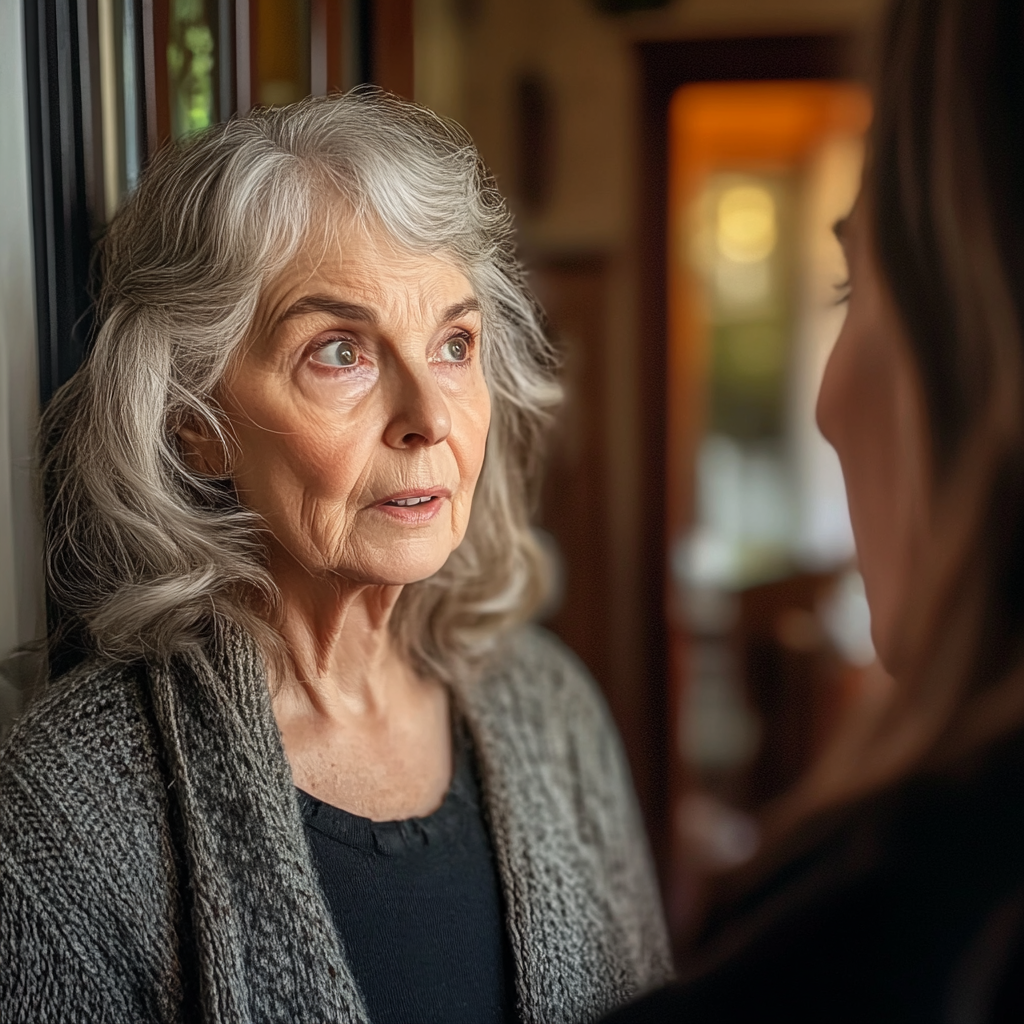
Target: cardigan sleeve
[[608, 808]]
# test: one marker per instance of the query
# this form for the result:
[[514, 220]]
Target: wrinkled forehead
[[355, 259]]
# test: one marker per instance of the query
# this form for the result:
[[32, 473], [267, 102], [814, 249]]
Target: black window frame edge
[[65, 174], [60, 142]]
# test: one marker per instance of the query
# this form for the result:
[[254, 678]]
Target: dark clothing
[[908, 907], [417, 906]]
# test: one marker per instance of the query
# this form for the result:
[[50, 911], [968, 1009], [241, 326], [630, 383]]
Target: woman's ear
[[202, 450]]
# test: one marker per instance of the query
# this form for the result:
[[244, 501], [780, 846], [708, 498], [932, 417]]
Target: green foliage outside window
[[190, 66]]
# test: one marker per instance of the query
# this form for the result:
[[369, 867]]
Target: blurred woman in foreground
[[894, 889]]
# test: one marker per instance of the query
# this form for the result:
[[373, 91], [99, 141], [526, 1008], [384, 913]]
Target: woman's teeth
[[404, 502]]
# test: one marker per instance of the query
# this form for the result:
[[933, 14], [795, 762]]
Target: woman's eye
[[842, 292], [337, 353], [455, 350]]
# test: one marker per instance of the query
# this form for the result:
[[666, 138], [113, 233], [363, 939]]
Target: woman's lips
[[414, 506]]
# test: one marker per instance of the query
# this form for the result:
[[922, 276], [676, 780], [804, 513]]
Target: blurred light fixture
[[747, 229]]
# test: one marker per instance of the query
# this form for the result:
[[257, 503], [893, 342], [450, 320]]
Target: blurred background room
[[675, 169]]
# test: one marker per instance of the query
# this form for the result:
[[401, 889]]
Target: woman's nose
[[420, 413]]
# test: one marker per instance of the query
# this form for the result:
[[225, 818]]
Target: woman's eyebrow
[[458, 309], [353, 311], [325, 304]]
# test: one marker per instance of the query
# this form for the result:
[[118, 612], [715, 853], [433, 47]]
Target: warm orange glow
[[282, 51], [759, 124]]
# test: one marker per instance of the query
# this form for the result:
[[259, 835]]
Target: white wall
[[21, 588]]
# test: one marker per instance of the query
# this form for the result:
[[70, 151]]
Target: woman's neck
[[338, 637], [361, 730]]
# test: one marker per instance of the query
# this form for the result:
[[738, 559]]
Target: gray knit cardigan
[[153, 865]]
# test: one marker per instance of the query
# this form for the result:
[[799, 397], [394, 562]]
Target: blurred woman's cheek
[[869, 412]]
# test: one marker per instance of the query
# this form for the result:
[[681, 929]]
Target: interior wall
[[469, 53], [21, 591]]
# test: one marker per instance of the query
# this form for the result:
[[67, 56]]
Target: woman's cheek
[[469, 457], [336, 389], [480, 430]]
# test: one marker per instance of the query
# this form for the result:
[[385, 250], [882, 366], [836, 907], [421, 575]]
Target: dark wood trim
[[572, 287], [155, 23], [664, 67], [245, 56], [62, 168], [318, 47], [227, 85], [392, 46]]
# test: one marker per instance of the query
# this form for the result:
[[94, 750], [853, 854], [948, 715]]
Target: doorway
[[742, 138]]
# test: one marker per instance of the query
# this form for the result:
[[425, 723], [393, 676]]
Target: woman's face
[[361, 412], [871, 410]]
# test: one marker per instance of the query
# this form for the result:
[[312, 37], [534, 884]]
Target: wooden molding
[[393, 46]]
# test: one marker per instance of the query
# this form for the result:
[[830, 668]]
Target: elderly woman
[[315, 767]]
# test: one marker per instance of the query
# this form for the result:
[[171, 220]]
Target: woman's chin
[[409, 576], [399, 564]]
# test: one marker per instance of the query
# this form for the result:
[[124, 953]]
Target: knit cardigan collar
[[261, 931]]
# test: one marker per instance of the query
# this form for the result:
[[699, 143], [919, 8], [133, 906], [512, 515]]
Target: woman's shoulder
[[559, 791], [535, 670], [83, 746], [538, 686], [905, 905], [538, 702], [75, 711]]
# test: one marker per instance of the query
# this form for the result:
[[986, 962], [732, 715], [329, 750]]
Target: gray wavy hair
[[144, 551]]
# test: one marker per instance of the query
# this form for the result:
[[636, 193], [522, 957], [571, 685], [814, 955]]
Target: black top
[[417, 905], [907, 908]]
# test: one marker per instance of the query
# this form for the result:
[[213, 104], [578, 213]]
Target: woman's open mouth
[[414, 506], [410, 502]]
